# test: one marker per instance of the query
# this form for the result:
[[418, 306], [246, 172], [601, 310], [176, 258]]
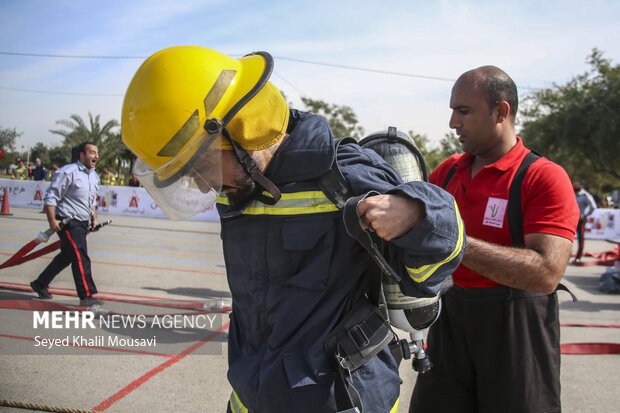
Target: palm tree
[[102, 136], [118, 156]]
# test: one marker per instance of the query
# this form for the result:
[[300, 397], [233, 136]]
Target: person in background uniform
[[72, 194], [133, 181], [496, 344], [587, 205], [107, 177], [292, 269], [10, 170], [39, 173], [21, 172]]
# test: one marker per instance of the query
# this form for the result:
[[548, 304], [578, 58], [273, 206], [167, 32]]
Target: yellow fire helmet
[[186, 104]]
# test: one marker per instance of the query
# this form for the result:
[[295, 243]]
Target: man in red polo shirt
[[496, 345]]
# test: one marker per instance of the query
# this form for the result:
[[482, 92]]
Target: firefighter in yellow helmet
[[208, 127], [187, 103]]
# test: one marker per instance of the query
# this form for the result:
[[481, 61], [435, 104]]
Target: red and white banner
[[603, 223], [132, 201], [111, 200]]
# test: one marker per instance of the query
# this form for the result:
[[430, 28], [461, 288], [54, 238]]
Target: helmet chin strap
[[249, 165]]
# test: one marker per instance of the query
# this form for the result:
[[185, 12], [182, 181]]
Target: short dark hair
[[75, 153], [498, 87], [495, 84], [82, 146]]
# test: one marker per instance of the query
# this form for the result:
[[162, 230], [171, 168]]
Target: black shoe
[[42, 292], [89, 301]]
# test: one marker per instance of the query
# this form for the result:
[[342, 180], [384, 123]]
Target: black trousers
[[493, 350], [73, 250]]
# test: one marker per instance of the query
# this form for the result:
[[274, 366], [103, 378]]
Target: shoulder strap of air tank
[[333, 183], [336, 188]]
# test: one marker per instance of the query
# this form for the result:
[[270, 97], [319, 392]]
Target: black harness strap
[[514, 212], [449, 176], [354, 229], [335, 186]]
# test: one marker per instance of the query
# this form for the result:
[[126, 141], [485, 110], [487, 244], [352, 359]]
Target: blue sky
[[429, 43]]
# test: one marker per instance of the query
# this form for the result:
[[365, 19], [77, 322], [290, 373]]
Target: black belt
[[60, 218], [500, 292]]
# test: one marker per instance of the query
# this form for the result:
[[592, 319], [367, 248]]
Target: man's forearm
[[523, 268], [50, 212], [94, 220]]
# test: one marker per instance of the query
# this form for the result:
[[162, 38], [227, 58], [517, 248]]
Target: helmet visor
[[195, 185]]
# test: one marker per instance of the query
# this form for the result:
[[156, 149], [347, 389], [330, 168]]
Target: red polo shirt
[[547, 201]]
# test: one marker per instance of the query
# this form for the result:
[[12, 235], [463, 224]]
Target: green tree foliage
[[433, 156], [578, 124], [8, 143], [58, 155], [119, 156], [79, 131], [40, 151], [112, 152], [8, 138], [342, 120]]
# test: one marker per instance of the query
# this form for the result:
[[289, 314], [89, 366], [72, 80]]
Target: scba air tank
[[406, 313]]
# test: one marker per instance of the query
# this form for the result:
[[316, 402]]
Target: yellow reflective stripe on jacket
[[237, 407], [235, 404], [306, 202], [394, 408], [421, 274]]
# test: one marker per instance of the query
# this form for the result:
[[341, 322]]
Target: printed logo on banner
[[107, 201], [133, 201], [37, 198], [133, 206], [602, 224], [116, 200], [38, 195], [494, 213]]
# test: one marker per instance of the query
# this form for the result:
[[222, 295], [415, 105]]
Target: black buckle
[[359, 337]]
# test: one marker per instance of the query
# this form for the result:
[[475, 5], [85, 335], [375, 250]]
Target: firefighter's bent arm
[[390, 216]]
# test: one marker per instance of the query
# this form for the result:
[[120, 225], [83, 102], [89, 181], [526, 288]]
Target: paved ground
[[163, 269]]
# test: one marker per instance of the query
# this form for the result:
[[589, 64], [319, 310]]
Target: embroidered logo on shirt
[[494, 213]]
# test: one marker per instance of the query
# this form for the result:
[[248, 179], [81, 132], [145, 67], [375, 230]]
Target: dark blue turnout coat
[[294, 272]]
